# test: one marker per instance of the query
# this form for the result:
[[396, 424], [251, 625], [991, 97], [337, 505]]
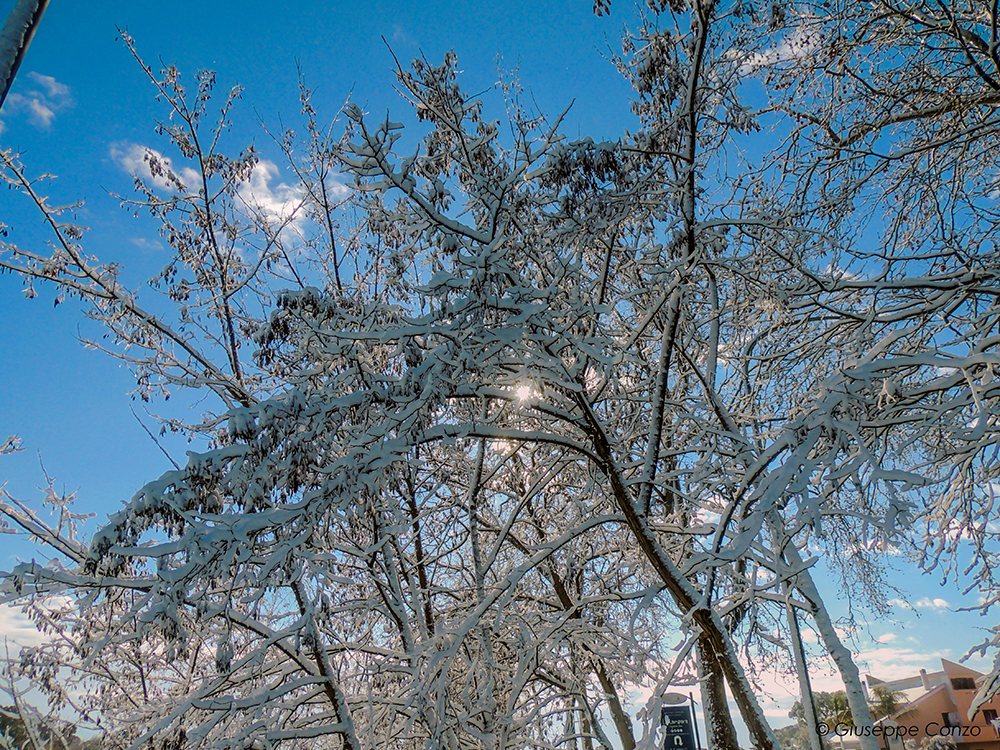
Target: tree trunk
[[720, 734]]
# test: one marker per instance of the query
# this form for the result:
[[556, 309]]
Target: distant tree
[[886, 702], [831, 708], [793, 737], [12, 727], [20, 730]]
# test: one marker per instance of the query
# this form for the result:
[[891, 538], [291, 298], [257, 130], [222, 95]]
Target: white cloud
[[277, 202], [263, 195], [802, 43], [43, 115], [925, 602], [39, 100], [897, 662], [136, 160], [51, 85], [146, 245], [18, 629], [880, 546]]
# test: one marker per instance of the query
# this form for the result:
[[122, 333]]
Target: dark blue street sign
[[678, 728]]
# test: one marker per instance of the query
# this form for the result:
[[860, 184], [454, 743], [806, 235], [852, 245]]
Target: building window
[[963, 683], [951, 719], [991, 718]]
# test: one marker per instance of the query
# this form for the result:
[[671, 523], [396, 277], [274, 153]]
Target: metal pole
[[798, 651], [694, 720]]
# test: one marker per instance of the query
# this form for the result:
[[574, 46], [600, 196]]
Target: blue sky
[[81, 103]]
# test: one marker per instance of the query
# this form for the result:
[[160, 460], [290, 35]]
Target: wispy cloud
[[146, 245], [40, 100], [925, 602], [401, 35]]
